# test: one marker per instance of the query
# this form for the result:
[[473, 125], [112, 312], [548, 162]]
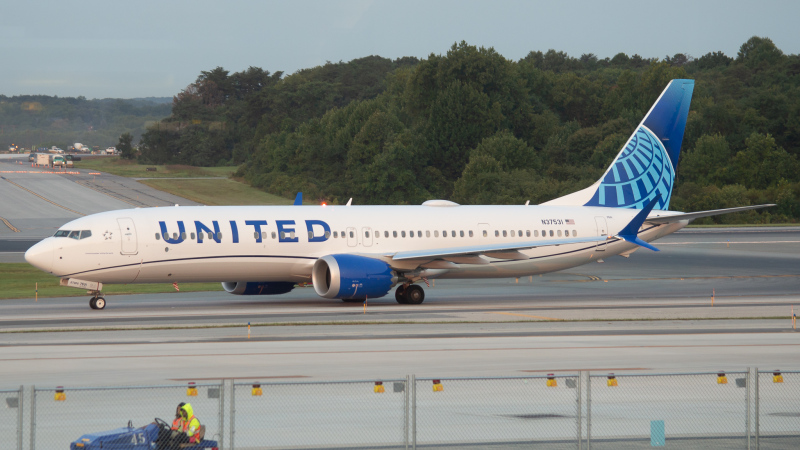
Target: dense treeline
[[44, 121], [475, 127]]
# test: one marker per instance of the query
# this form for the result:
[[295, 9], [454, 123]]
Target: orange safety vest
[[195, 437], [177, 424]]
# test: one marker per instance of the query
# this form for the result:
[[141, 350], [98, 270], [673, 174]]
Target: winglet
[[298, 201], [631, 231]]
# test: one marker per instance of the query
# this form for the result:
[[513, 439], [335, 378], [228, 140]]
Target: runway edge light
[[437, 386], [777, 377], [256, 392], [60, 395], [721, 378], [379, 389], [191, 391], [551, 380], [612, 380]]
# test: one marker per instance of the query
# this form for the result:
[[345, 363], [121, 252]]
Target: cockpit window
[[78, 234]]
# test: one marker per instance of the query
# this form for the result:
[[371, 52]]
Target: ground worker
[[177, 423]]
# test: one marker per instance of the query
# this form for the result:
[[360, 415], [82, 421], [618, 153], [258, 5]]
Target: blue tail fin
[[646, 164]]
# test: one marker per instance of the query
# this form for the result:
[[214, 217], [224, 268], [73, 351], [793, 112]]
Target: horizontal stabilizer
[[669, 217]]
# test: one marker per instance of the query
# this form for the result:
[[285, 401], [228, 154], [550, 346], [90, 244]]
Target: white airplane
[[357, 252]]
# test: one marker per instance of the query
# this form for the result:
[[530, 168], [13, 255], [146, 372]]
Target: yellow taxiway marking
[[525, 315]]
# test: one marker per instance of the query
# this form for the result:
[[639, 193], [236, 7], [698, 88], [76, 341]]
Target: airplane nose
[[41, 255]]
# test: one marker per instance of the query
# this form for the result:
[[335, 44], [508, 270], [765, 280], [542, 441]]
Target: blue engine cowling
[[257, 287], [352, 276]]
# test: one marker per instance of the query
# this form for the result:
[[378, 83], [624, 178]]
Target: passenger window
[[310, 235], [175, 236], [352, 235], [519, 233], [255, 235], [470, 233], [574, 233], [444, 233], [274, 235], [411, 233], [74, 235], [219, 235], [283, 235], [366, 234], [527, 233], [512, 233], [566, 233], [551, 233], [210, 235], [485, 234], [386, 234], [327, 235], [394, 233], [403, 233], [419, 233], [158, 236], [461, 233], [559, 233], [535, 233], [496, 233], [544, 233], [264, 235], [191, 236], [435, 233], [335, 234], [452, 233], [505, 233]]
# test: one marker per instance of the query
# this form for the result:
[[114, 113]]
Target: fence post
[[747, 381], [580, 409], [414, 412], [406, 415], [233, 412], [588, 410], [755, 386], [20, 416], [221, 414], [33, 418]]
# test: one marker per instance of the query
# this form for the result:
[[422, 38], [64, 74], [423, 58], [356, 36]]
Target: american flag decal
[[175, 285], [570, 222]]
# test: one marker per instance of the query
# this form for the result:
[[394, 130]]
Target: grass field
[[125, 168], [19, 280], [217, 192]]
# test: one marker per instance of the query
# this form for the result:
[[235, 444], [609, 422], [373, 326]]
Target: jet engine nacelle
[[257, 287], [352, 276]]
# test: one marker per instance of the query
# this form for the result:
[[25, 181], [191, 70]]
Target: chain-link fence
[[700, 410], [778, 419], [11, 418], [497, 412], [357, 414], [748, 410], [62, 415]]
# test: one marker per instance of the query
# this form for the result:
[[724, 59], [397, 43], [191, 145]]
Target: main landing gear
[[410, 294], [98, 301]]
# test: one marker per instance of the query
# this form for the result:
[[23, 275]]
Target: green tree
[[124, 146]]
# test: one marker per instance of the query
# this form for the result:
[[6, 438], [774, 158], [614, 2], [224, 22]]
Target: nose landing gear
[[98, 301]]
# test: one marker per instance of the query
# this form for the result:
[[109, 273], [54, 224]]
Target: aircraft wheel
[[414, 294], [93, 303], [100, 303], [400, 295]]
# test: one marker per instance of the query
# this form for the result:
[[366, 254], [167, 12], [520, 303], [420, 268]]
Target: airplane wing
[[511, 251], [663, 217]]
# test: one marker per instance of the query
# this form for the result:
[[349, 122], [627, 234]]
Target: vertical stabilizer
[[645, 167]]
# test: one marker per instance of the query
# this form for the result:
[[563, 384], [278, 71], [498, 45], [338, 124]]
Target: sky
[[149, 48]]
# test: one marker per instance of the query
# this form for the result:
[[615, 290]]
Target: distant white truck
[[111, 151], [42, 159]]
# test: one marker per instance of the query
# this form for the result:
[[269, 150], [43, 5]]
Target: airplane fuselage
[[273, 243]]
